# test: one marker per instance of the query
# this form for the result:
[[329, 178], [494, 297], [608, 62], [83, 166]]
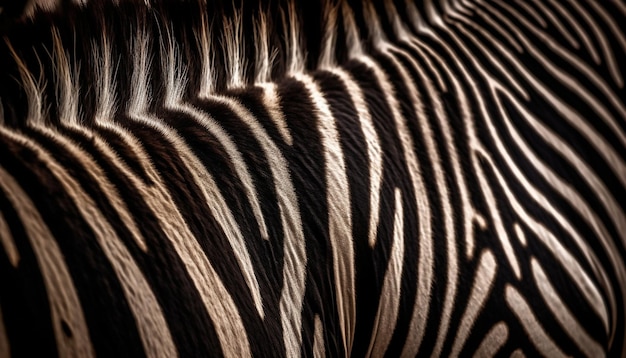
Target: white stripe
[[172, 65], [6, 239], [531, 11], [65, 79], [153, 329], [481, 288], [389, 303], [69, 117], [271, 101], [558, 25], [606, 44], [425, 262], [175, 74], [582, 33], [520, 234], [239, 164], [566, 79], [105, 88], [64, 303], [538, 336], [489, 19], [213, 200], [140, 94], [339, 212], [294, 270], [621, 6], [216, 299], [442, 189], [374, 151], [496, 218], [569, 263], [469, 213], [493, 341], [353, 41], [319, 350], [236, 158], [576, 201], [491, 59], [376, 34], [38, 6], [570, 324], [32, 89], [100, 178]]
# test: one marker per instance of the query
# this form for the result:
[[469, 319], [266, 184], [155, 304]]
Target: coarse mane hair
[[65, 60]]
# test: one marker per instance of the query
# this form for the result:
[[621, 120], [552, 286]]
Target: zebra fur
[[340, 177]]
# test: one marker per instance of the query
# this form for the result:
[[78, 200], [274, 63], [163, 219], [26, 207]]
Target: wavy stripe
[[581, 279], [448, 135], [519, 232], [271, 102], [488, 19], [538, 336], [389, 302], [469, 213], [532, 12], [481, 288], [487, 193], [69, 115], [604, 42], [146, 310], [579, 31], [443, 191], [493, 341], [62, 296], [294, 270], [319, 350], [339, 212], [6, 239], [577, 202], [425, 261], [570, 324], [557, 24], [492, 61], [236, 158], [570, 82], [374, 151], [215, 298], [213, 199]]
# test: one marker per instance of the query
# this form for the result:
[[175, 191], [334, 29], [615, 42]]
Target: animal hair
[[83, 59]]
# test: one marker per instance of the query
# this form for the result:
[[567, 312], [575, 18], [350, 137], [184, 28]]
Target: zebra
[[314, 178]]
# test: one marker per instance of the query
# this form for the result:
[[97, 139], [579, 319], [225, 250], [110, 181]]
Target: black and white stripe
[[336, 177]]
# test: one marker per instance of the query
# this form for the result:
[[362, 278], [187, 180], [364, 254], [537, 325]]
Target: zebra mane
[[77, 60]]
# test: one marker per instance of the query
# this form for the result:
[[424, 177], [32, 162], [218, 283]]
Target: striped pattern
[[433, 178]]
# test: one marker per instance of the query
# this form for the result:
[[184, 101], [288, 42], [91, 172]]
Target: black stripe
[[93, 277]]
